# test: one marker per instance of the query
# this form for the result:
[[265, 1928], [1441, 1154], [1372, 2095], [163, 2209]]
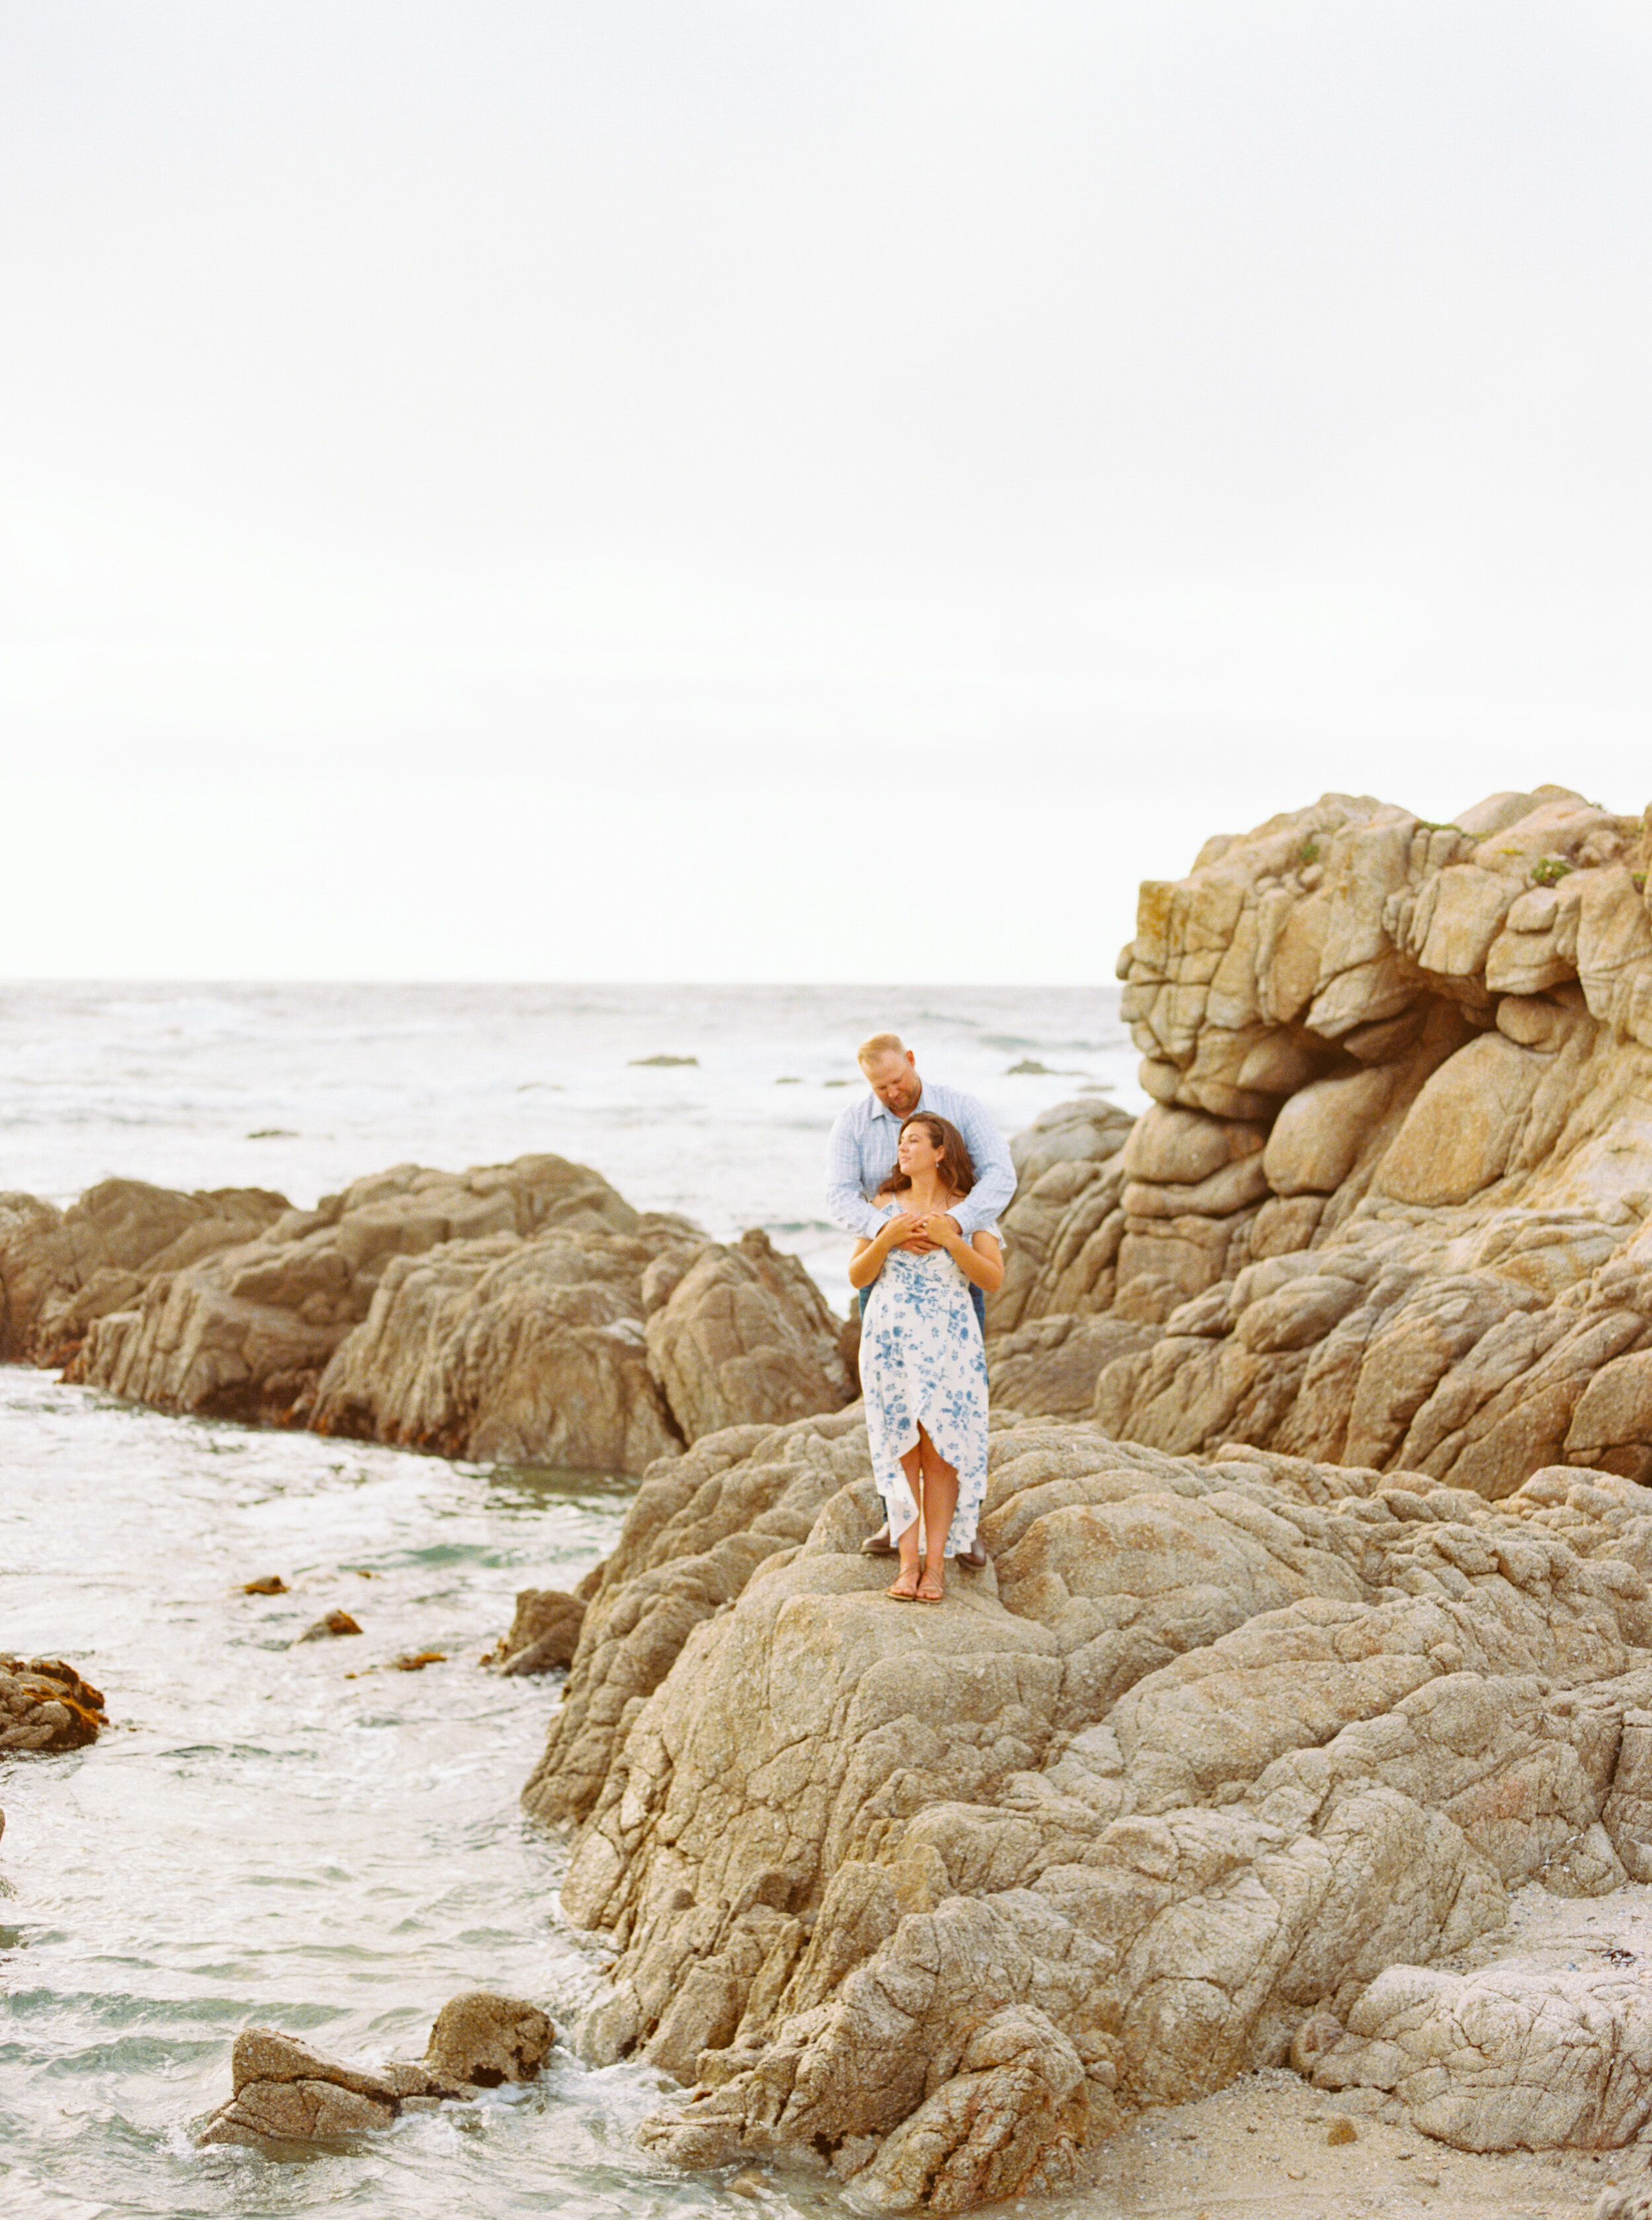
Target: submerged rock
[[335, 1621], [46, 1706], [285, 2091], [1206, 1753]]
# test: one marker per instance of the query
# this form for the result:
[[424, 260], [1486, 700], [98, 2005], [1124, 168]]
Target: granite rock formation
[[742, 1338], [1050, 1325], [1210, 1755], [520, 1312], [1389, 1205], [285, 2091], [62, 1269]]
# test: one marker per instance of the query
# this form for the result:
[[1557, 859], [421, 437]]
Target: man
[[861, 1156]]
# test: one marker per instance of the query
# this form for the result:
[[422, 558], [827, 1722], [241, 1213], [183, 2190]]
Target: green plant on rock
[[1549, 870], [1308, 852]]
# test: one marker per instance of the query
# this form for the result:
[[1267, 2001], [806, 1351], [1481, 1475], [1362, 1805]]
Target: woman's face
[[916, 1150]]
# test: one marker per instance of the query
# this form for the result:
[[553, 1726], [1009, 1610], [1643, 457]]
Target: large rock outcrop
[[745, 1338], [1389, 1205], [520, 1312], [62, 1269], [1207, 1753], [1051, 1325]]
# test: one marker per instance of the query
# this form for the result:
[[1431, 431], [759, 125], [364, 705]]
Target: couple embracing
[[919, 1175]]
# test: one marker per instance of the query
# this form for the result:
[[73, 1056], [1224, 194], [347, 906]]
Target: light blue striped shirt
[[860, 1156]]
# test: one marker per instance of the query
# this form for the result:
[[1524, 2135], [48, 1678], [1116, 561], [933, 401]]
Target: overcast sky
[[512, 489]]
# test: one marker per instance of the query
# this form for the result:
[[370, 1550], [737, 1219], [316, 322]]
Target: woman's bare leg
[[905, 1583], [940, 1502]]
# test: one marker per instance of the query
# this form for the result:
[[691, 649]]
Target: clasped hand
[[913, 1229]]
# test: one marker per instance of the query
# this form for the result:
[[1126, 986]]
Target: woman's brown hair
[[955, 1167]]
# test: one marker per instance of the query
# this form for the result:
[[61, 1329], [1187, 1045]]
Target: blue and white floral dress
[[922, 1362]]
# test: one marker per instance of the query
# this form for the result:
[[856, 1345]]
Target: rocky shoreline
[[515, 1313], [1318, 1631], [1221, 1764]]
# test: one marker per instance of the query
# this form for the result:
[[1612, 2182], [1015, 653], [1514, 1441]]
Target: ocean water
[[297, 1832]]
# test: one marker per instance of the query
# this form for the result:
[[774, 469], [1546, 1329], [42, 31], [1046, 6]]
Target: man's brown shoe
[[973, 1559], [879, 1544]]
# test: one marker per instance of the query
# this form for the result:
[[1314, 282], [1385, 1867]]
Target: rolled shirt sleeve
[[846, 1175], [989, 1153]]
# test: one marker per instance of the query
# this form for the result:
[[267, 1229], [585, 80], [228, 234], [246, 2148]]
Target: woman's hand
[[903, 1230], [940, 1228]]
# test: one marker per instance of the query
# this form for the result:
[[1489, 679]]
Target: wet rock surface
[[46, 1706], [1211, 1753], [286, 2091]]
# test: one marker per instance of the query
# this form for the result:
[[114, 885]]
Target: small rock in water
[[285, 2092], [46, 1706], [663, 1061], [414, 1661], [789, 1081], [267, 1584], [1028, 1068], [543, 1633], [481, 2040], [336, 1622]]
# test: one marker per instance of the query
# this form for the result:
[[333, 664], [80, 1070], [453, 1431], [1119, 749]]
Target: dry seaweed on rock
[[46, 1706]]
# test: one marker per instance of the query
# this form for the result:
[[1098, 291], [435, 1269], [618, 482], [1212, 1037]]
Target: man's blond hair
[[879, 1045]]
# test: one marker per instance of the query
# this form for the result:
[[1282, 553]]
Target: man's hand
[[938, 1226], [907, 1232]]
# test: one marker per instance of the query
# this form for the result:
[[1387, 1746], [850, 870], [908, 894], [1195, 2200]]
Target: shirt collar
[[881, 1109]]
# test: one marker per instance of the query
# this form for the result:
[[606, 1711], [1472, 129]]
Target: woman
[[923, 1368]]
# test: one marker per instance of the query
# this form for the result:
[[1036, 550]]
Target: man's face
[[895, 1081]]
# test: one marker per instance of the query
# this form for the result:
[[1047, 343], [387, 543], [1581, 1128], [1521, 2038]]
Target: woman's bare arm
[[869, 1256], [980, 1259]]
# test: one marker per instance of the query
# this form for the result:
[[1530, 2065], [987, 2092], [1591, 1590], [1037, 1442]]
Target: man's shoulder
[[944, 1094], [857, 1112]]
